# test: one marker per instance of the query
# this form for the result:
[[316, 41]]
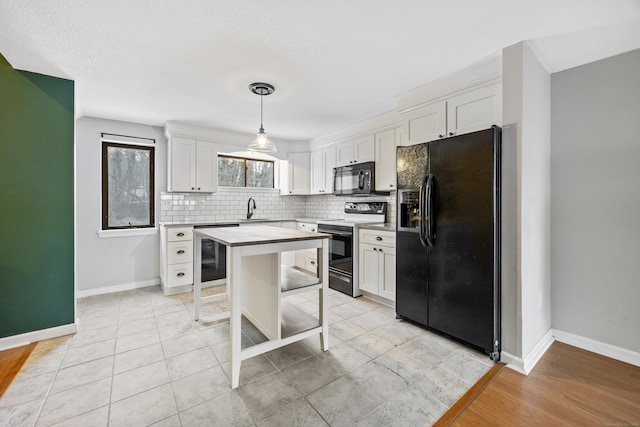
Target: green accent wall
[[36, 201]]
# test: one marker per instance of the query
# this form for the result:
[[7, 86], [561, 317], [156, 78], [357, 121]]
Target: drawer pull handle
[[180, 274], [379, 239], [180, 252], [180, 234]]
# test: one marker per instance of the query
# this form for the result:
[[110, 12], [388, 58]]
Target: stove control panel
[[373, 208]]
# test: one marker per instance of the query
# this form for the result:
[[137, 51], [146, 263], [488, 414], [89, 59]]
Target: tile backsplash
[[231, 204], [327, 207]]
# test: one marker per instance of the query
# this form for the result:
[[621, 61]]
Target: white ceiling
[[333, 62]]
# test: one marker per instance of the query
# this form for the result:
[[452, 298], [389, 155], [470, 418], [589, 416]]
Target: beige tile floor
[[139, 359]]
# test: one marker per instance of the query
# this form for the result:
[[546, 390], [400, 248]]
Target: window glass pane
[[230, 171], [129, 198], [259, 174]]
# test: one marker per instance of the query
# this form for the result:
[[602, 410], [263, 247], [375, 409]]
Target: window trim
[[105, 228], [244, 159]]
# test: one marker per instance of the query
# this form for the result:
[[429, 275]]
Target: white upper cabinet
[[356, 150], [364, 149], [192, 166], [298, 174], [322, 163], [469, 111], [344, 153], [464, 101], [385, 157], [425, 123], [206, 167], [474, 110]]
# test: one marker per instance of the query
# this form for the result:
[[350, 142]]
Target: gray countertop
[[234, 221], [387, 226], [260, 235]]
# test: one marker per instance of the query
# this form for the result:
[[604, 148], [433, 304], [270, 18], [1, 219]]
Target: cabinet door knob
[[180, 252], [192, 188], [440, 136], [312, 262], [198, 188], [390, 185], [180, 234], [451, 133], [375, 249], [180, 274], [379, 239], [380, 249]]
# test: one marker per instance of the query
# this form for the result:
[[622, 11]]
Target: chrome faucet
[[250, 208]]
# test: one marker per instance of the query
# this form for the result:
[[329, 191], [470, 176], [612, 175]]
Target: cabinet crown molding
[[229, 140], [485, 72]]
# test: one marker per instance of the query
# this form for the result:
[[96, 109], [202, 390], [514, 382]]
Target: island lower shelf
[[295, 280]]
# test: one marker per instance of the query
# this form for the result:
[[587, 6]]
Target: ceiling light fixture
[[262, 144]]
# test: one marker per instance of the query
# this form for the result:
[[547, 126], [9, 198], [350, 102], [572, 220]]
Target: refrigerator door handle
[[429, 235], [422, 208]]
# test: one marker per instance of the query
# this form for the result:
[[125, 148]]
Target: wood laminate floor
[[10, 363], [568, 387]]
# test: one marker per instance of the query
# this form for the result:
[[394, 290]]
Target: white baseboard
[[41, 335], [608, 350], [513, 362], [526, 364], [537, 351], [116, 288]]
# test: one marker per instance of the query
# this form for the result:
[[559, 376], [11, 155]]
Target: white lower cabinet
[[377, 263], [176, 259], [176, 255], [307, 259]]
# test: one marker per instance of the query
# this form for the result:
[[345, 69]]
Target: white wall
[[107, 262], [596, 201], [511, 318], [535, 201], [526, 265]]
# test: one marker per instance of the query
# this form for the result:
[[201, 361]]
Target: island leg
[[324, 279], [234, 284]]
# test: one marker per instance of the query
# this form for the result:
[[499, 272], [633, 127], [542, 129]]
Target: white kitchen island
[[256, 283]]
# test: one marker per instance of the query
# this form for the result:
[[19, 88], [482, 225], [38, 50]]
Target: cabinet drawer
[[178, 252], [180, 274], [311, 263], [378, 237], [179, 234]]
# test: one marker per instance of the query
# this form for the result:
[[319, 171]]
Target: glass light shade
[[262, 144]]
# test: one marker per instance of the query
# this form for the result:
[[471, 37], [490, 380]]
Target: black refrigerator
[[448, 237]]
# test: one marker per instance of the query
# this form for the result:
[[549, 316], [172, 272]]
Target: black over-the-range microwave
[[355, 180]]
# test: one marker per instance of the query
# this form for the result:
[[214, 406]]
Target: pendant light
[[262, 144]]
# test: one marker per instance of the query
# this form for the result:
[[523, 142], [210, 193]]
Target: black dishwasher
[[214, 257]]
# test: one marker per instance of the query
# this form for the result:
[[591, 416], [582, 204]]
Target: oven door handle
[[340, 273], [336, 233]]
